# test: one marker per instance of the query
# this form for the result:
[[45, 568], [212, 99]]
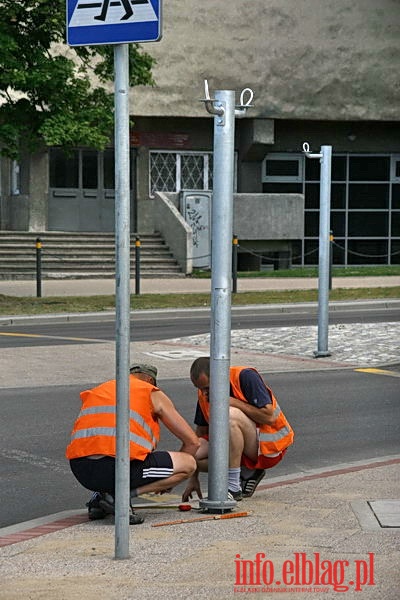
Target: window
[[64, 169], [282, 167], [395, 168], [176, 171], [365, 204], [179, 171]]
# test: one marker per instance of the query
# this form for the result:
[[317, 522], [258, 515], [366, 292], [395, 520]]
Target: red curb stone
[[326, 474], [14, 538]]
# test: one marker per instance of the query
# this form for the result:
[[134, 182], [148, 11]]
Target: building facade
[[325, 73]]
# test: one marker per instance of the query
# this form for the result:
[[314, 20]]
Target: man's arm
[[262, 416], [259, 402], [173, 420]]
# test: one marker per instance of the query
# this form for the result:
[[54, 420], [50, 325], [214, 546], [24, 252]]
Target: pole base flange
[[321, 354], [216, 506]]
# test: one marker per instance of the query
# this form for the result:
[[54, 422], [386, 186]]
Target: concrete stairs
[[75, 255]]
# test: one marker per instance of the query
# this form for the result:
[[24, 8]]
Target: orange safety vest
[[273, 438], [94, 431]]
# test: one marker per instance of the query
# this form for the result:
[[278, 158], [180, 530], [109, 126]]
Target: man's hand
[[193, 485]]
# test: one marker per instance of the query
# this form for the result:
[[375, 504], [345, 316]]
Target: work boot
[[107, 503]]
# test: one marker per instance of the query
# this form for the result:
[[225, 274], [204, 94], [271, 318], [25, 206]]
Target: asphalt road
[[338, 417], [159, 325]]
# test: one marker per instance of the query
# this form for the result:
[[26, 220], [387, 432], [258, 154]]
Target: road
[[159, 324], [338, 417]]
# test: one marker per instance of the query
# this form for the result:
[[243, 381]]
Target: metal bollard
[[331, 238], [38, 268], [235, 242], [137, 266]]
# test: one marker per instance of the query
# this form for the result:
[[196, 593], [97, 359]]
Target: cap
[[146, 369]]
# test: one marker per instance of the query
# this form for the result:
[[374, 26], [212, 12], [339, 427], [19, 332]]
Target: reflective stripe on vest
[[274, 437], [94, 430], [111, 432], [134, 416]]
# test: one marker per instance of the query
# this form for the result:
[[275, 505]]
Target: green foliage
[[47, 91]]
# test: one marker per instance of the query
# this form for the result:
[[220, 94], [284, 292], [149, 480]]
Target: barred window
[[179, 171]]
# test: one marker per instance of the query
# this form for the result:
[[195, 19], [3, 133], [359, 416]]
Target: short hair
[[200, 366]]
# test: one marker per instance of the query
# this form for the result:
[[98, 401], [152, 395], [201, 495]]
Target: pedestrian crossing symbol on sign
[[91, 22]]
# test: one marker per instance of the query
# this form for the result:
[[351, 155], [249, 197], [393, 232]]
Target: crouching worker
[[92, 449], [259, 433]]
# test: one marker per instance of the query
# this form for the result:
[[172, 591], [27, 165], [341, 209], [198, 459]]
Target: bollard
[[137, 266], [331, 238], [38, 268], [234, 263]]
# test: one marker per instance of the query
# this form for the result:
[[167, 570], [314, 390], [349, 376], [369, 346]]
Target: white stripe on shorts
[[159, 472]]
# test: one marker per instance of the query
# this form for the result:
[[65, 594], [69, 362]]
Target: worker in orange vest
[[259, 433], [92, 449]]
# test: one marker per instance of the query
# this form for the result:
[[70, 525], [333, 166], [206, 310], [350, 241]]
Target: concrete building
[[322, 72]]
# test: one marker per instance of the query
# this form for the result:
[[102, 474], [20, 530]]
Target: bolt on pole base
[[217, 506], [321, 354]]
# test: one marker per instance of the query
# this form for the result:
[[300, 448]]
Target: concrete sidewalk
[[92, 287], [320, 532]]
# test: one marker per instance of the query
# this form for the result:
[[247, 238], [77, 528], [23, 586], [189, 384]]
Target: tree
[[47, 90]]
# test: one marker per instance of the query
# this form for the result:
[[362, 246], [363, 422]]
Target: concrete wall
[[174, 229], [38, 191], [268, 216], [308, 59]]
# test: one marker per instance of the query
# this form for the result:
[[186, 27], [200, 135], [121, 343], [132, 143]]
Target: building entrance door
[[81, 191]]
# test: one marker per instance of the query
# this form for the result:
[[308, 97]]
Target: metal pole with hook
[[223, 108], [325, 156]]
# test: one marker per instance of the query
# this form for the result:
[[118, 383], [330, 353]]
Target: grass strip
[[13, 305]]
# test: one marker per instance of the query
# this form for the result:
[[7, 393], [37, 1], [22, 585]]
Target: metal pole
[[137, 266], [234, 263], [324, 229], [221, 269], [330, 258], [38, 268], [122, 297]]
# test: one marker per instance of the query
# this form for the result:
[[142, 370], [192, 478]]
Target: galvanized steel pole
[[122, 297], [324, 252], [325, 159], [221, 269]]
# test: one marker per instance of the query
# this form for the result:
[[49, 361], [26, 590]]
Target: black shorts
[[98, 474]]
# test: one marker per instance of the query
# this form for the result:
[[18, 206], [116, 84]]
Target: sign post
[[90, 22]]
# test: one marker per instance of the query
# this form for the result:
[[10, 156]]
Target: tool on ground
[[207, 518]]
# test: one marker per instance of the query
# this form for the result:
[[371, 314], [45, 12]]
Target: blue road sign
[[93, 22]]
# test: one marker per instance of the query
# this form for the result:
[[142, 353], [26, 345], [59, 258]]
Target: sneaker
[[249, 485], [238, 496], [95, 511], [107, 503]]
